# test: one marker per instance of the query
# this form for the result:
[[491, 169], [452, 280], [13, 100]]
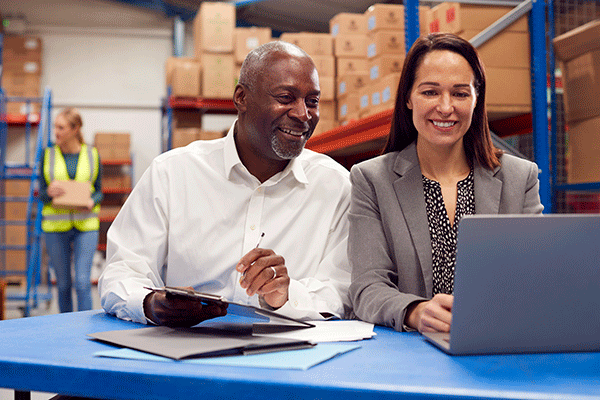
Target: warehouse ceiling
[[280, 15]]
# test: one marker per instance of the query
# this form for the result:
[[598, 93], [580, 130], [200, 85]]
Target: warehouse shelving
[[367, 134], [202, 105], [27, 172]]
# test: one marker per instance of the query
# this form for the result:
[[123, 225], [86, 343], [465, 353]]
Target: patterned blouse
[[443, 235]]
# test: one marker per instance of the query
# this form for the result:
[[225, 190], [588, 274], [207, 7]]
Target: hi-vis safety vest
[[55, 168]]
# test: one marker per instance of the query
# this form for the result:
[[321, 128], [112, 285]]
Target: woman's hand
[[55, 189], [434, 315]]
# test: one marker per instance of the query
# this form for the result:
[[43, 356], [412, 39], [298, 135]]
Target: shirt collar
[[232, 158]]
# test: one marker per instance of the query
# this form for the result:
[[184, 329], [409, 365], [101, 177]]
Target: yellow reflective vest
[[55, 168]]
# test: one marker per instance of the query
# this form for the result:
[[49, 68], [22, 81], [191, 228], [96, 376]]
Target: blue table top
[[53, 354]]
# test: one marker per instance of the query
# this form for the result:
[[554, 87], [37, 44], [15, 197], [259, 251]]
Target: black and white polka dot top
[[443, 235]]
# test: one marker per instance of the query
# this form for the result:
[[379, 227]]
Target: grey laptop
[[525, 284]]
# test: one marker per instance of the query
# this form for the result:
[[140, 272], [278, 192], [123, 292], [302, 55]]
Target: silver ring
[[274, 273]]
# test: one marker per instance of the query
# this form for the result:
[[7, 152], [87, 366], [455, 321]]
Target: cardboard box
[[108, 213], [578, 41], [348, 24], [384, 65], [364, 104], [181, 137], [324, 126], [508, 92], [351, 83], [184, 76], [315, 44], [386, 42], [506, 49], [584, 148], [13, 81], [247, 39], [212, 135], [218, 77], [325, 65], [77, 194], [349, 107], [579, 51], [388, 87], [15, 260], [327, 84], [385, 16], [15, 235], [214, 26], [352, 65], [17, 187], [113, 146], [458, 17], [15, 210], [116, 181], [327, 110], [187, 118], [350, 46]]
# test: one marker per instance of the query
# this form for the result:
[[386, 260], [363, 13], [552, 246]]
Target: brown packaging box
[[113, 146], [508, 92], [247, 39], [351, 46], [579, 52], [325, 65], [386, 42], [218, 78], [348, 24], [327, 110], [15, 210], [349, 107], [315, 44], [181, 137], [184, 76], [351, 65], [214, 25], [506, 49], [15, 235], [584, 148], [16, 260], [388, 87], [17, 187], [77, 195], [116, 181], [351, 83], [327, 84], [457, 17], [385, 16], [384, 65]]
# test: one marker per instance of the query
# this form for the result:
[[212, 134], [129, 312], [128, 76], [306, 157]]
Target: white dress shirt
[[197, 210]]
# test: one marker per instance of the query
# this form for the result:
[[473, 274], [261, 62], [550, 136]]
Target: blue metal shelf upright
[[27, 171], [538, 17]]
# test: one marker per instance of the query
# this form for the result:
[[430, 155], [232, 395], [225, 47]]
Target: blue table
[[53, 354]]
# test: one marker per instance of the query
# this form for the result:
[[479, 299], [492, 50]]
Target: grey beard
[[285, 152]]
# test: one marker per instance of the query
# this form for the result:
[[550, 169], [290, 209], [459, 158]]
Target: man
[[197, 215]]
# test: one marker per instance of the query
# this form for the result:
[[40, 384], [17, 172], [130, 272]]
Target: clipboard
[[244, 310]]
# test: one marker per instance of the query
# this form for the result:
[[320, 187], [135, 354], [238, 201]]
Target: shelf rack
[[369, 133], [203, 105]]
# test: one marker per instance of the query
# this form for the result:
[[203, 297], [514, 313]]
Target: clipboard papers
[[198, 342], [243, 310]]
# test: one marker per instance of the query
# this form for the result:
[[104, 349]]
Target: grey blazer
[[389, 245]]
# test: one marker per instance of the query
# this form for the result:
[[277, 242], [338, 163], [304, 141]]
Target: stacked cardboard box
[[21, 71], [214, 26], [14, 233], [184, 76], [246, 40], [579, 53], [183, 136], [113, 146], [506, 56]]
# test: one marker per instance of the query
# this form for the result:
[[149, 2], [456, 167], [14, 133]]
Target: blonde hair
[[72, 116]]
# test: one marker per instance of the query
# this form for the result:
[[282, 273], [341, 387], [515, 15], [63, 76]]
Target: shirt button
[[253, 227]]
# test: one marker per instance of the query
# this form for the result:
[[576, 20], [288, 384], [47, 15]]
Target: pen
[[259, 240]]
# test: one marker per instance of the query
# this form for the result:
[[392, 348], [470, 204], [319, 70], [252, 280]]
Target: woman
[[439, 164], [71, 232]]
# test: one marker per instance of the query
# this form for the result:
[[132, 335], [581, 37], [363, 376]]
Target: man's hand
[[178, 311], [265, 273], [434, 315]]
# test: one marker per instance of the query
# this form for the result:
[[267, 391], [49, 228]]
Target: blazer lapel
[[409, 191], [487, 191]]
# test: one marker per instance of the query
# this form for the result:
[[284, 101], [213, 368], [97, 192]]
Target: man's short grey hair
[[254, 63]]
